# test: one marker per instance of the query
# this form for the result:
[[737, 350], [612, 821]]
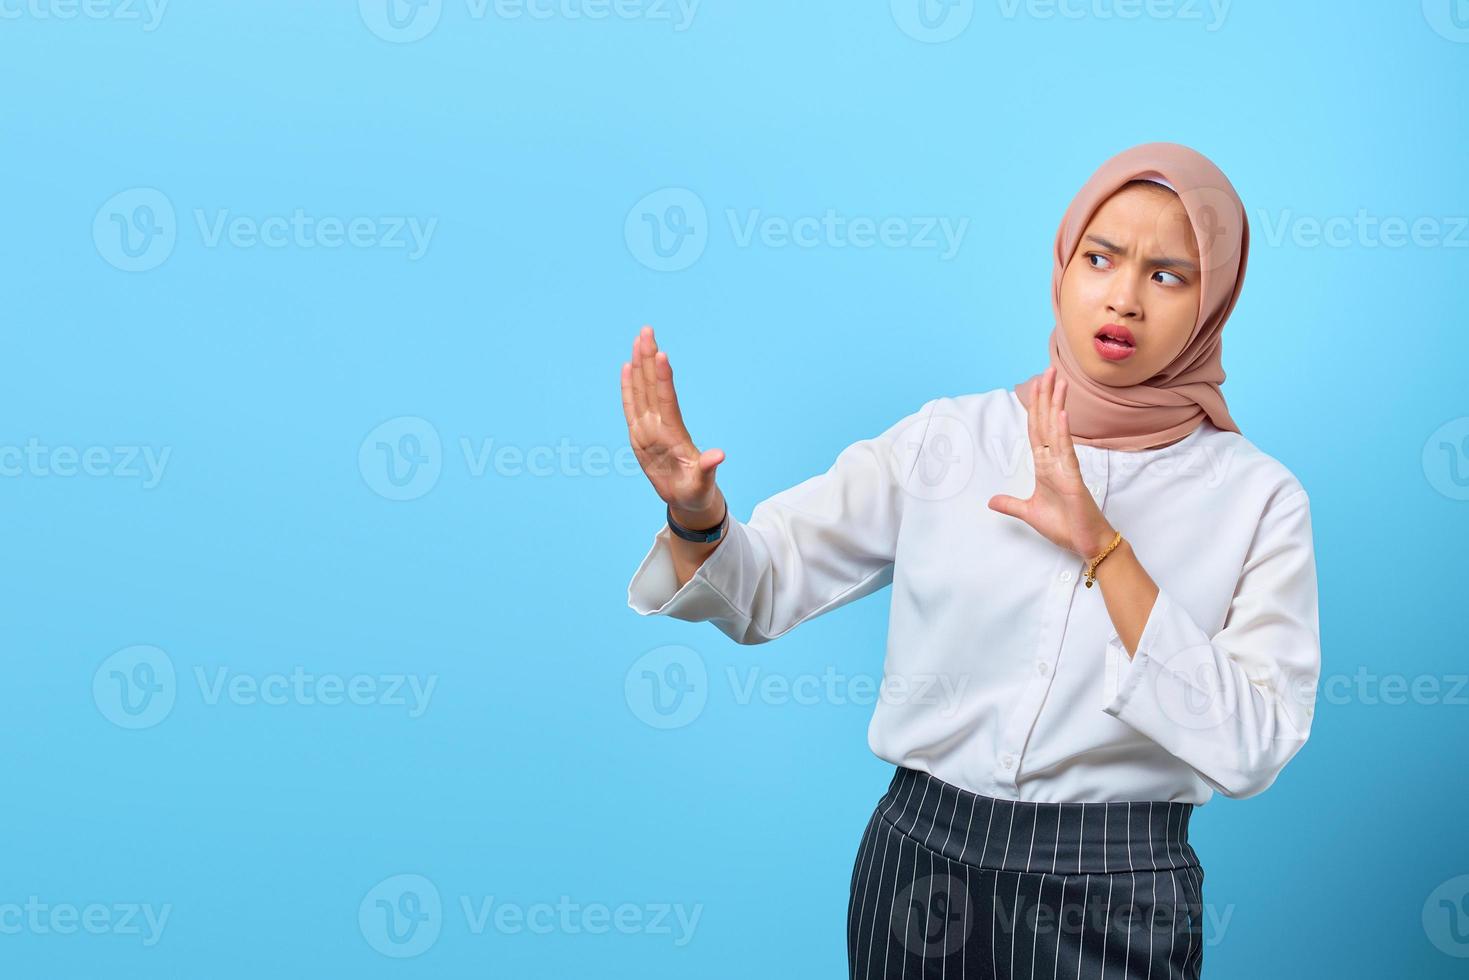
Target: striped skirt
[[948, 883]]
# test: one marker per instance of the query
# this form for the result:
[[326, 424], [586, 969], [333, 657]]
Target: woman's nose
[[1123, 298]]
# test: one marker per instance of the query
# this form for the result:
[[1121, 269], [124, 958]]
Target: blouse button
[[1008, 761], [1042, 668], [1066, 576]]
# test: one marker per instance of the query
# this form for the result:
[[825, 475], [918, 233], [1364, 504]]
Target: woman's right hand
[[681, 475]]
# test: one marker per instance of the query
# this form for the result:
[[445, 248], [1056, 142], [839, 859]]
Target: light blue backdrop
[[256, 252]]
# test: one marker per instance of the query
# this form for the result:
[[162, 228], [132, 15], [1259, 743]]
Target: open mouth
[[1115, 342], [1117, 336]]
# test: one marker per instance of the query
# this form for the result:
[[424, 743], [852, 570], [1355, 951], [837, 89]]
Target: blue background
[[271, 542]]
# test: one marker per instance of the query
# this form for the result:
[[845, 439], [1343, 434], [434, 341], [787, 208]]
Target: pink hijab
[[1176, 400]]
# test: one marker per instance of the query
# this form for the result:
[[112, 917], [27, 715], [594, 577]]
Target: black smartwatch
[[703, 537]]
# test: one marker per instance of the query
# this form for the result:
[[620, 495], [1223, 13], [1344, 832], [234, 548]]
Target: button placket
[[1038, 682]]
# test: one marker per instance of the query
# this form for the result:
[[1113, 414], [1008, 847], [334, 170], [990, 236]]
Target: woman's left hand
[[1061, 507]]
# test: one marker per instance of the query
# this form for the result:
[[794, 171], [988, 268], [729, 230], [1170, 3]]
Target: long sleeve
[[807, 550], [1236, 706]]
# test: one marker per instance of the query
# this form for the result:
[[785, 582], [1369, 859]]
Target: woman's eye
[[1094, 255], [1178, 279]]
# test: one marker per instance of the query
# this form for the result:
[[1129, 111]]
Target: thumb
[[1007, 505], [709, 459]]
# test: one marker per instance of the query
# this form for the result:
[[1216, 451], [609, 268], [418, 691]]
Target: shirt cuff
[[654, 591], [1122, 672]]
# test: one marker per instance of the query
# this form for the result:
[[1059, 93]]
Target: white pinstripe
[[1173, 933], [1035, 822], [869, 845], [887, 941], [972, 804], [964, 949], [1060, 916], [913, 828], [1005, 860], [1056, 850], [995, 892], [887, 839], [1190, 954], [1132, 904]]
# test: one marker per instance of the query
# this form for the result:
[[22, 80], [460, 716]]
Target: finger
[[1063, 434], [628, 408], [1043, 409], [667, 400], [1052, 408], [639, 400], [650, 381], [1031, 410]]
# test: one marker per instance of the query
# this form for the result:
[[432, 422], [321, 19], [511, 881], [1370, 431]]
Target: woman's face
[[1136, 267]]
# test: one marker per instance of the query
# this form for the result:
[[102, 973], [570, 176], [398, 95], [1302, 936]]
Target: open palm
[[1060, 508], [679, 472]]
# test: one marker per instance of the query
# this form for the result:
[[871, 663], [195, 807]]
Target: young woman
[[1037, 821]]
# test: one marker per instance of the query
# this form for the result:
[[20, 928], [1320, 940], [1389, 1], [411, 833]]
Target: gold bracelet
[[1091, 566]]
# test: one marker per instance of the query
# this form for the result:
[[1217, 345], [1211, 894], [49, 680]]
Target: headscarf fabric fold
[[1176, 400]]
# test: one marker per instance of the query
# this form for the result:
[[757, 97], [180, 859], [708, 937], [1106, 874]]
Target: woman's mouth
[[1114, 342]]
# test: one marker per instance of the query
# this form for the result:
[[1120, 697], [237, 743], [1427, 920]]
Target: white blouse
[[1030, 693]]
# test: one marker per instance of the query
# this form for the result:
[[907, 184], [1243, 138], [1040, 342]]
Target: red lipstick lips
[[1114, 342]]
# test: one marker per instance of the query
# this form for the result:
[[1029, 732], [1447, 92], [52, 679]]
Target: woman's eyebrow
[[1161, 260]]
